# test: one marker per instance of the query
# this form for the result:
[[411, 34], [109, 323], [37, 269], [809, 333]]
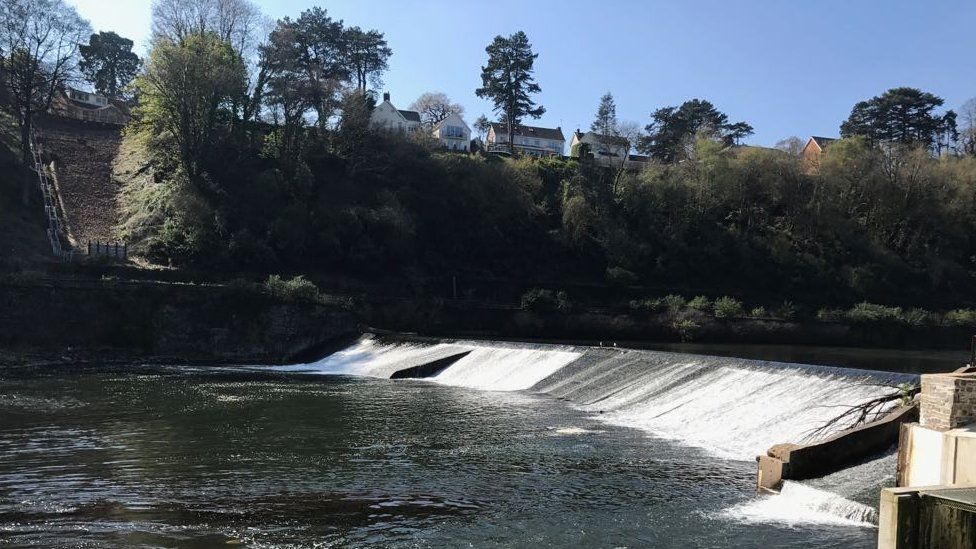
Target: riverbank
[[80, 318]]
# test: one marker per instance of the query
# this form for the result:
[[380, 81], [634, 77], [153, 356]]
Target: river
[[276, 457]]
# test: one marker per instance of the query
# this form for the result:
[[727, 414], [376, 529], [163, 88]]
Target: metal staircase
[[55, 225]]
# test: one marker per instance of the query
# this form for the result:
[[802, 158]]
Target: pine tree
[[507, 81], [605, 122]]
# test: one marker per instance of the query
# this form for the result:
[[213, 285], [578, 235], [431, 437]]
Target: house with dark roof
[[453, 133], [388, 117], [90, 107], [813, 151], [528, 140]]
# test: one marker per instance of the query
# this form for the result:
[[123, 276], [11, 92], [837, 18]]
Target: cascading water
[[733, 408]]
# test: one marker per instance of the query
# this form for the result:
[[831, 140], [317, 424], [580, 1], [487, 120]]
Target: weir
[[732, 408]]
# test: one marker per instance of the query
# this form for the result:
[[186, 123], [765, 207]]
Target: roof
[[531, 131], [411, 116], [621, 141], [823, 141], [638, 158]]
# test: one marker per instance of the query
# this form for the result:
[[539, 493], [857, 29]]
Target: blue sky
[[786, 67]]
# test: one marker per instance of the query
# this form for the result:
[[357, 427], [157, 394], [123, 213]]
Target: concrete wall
[[927, 518]]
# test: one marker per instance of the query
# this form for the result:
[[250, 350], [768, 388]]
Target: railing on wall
[[111, 250]]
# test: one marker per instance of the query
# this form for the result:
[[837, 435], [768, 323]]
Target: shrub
[[830, 315], [674, 303], [873, 313], [759, 312], [539, 300], [960, 317], [700, 303], [917, 317], [786, 311], [686, 328], [647, 305], [295, 289], [727, 307]]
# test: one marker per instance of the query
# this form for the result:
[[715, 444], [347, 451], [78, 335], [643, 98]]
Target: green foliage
[[672, 128], [727, 307], [960, 317], [545, 301], [686, 329], [901, 115], [787, 310], [873, 313], [700, 303], [107, 61], [674, 303], [507, 81], [758, 312], [831, 315], [648, 306], [295, 289]]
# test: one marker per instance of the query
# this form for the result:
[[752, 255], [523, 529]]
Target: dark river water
[[198, 457]]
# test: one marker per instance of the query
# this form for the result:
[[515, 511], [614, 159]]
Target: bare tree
[[792, 145], [967, 134], [434, 107], [39, 42], [236, 22]]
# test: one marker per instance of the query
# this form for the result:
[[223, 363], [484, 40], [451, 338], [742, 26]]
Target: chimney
[[386, 96]]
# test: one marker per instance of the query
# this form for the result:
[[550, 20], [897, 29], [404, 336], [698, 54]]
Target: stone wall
[[948, 400]]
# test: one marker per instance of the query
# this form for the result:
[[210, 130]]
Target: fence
[[112, 250]]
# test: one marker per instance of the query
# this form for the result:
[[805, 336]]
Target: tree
[[368, 55], [434, 107], [967, 135], [482, 125], [183, 89], [902, 115], [38, 52], [673, 129], [605, 122], [236, 22], [108, 63], [508, 82]]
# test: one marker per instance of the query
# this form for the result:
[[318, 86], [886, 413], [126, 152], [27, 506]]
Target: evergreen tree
[[508, 82], [605, 122], [108, 63], [672, 128], [902, 115]]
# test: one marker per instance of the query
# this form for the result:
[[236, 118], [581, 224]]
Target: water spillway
[[734, 409]]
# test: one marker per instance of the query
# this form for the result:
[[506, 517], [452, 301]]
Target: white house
[[605, 148], [90, 107], [528, 140], [453, 133], [388, 117]]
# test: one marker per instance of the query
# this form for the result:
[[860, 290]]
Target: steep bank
[[104, 320]]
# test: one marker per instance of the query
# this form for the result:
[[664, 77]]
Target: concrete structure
[[796, 461], [935, 504], [528, 140], [453, 133], [89, 107], [387, 117], [812, 153]]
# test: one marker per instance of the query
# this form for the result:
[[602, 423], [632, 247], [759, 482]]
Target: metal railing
[[55, 224]]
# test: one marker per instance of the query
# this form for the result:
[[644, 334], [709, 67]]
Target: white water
[[733, 408]]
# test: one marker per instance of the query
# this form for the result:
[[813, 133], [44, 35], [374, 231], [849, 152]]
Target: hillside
[[83, 155], [22, 228]]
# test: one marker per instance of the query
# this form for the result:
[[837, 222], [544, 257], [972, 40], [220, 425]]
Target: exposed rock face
[[106, 320]]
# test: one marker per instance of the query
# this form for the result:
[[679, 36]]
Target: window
[[454, 131]]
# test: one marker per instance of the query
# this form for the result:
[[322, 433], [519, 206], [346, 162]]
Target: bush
[[917, 317], [674, 303], [296, 289], [700, 303], [830, 315], [960, 317], [786, 311], [563, 303], [647, 306], [686, 328], [539, 300], [759, 312], [865, 312], [727, 307]]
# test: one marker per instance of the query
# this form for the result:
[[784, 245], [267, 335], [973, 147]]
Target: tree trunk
[[27, 160]]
